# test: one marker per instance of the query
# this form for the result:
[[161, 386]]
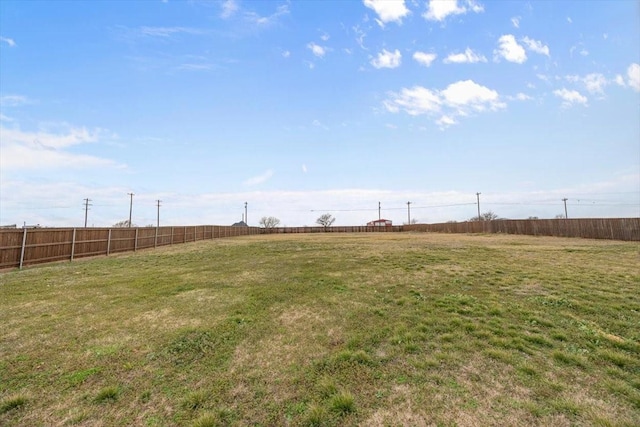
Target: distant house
[[380, 223], [240, 224]]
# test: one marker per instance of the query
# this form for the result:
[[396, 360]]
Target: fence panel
[[32, 246], [627, 229]]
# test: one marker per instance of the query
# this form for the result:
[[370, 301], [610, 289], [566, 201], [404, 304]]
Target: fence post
[[135, 244], [109, 242], [155, 242], [24, 242], [73, 243]]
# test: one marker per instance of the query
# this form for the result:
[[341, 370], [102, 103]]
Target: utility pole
[[565, 208], [246, 221], [86, 210], [409, 213], [379, 217], [158, 204], [478, 197], [130, 207]]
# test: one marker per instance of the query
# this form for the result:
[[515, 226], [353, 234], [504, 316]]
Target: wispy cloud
[[167, 32], [266, 21], [8, 41], [633, 75], [570, 97], [468, 56], [14, 100], [229, 8], [536, 46], [317, 50], [49, 150], [259, 179]]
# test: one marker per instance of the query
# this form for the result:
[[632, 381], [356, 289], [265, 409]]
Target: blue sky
[[305, 107]]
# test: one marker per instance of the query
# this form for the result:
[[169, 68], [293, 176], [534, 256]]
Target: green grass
[[328, 330]]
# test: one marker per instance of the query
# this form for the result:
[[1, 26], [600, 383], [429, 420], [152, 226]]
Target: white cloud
[[570, 97], [467, 94], [229, 8], [438, 10], [468, 56], [424, 58], [167, 32], [515, 21], [619, 80], [286, 54], [569, 20], [47, 150], [13, 100], [387, 59], [388, 10], [459, 99], [360, 35], [325, 37], [414, 101], [8, 41], [304, 168], [446, 121], [317, 50], [595, 83], [536, 46], [521, 97], [633, 74], [259, 179], [510, 50], [266, 21]]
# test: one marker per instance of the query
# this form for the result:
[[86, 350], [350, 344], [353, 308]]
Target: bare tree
[[123, 224], [325, 220], [487, 216], [269, 222]]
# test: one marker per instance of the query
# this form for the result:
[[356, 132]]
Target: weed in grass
[[80, 376], [207, 420], [327, 387], [145, 396], [11, 403], [107, 394], [194, 400], [343, 403], [316, 416]]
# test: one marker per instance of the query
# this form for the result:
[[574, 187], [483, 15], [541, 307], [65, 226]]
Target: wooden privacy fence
[[19, 247], [589, 228], [350, 229]]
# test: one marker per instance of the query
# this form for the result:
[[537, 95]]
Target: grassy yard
[[328, 330]]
